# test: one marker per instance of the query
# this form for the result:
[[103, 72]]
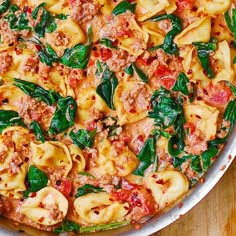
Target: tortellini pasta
[[111, 161], [52, 156], [167, 186], [204, 117], [98, 208], [199, 31], [129, 101], [48, 207]]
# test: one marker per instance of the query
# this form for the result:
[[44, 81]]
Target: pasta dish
[[110, 111]]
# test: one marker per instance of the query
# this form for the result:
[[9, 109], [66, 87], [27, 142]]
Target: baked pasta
[[110, 110]]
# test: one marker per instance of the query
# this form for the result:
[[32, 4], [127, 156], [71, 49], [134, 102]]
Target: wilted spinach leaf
[[64, 115], [208, 155], [203, 52], [107, 42], [195, 164], [78, 56], [169, 46], [124, 6], [10, 118], [33, 90], [181, 84], [106, 88], [129, 70], [36, 180], [83, 138], [4, 6], [67, 226], [140, 73], [34, 125], [88, 188]]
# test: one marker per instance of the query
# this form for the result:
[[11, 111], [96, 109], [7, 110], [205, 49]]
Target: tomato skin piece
[[185, 4], [106, 54], [191, 127], [65, 187], [141, 202], [217, 95], [166, 77]]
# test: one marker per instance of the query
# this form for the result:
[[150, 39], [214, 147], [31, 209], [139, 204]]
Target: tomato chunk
[[64, 186]]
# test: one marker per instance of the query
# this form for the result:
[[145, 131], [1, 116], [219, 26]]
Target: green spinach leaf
[[78, 56], [181, 84], [129, 70], [208, 155], [15, 21], [165, 109], [34, 125], [140, 73], [203, 52], [33, 90], [88, 188], [195, 164], [178, 161], [67, 226], [36, 180], [64, 115], [169, 46], [106, 88], [231, 23], [124, 6], [83, 138], [147, 155], [102, 227], [4, 6], [10, 118], [107, 42]]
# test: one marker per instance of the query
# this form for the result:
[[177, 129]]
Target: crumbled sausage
[[5, 62]]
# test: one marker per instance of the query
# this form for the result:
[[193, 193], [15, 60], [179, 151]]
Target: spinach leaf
[[10, 118], [169, 46], [229, 115], [147, 155], [208, 155], [233, 88], [140, 73], [33, 90], [99, 69], [176, 143], [195, 164], [88, 188], [47, 22], [106, 88], [165, 109], [87, 174], [124, 6], [34, 125], [129, 70], [231, 23], [203, 52], [181, 84], [67, 226], [83, 138], [36, 180], [64, 115], [4, 6], [17, 22], [108, 226], [78, 56], [178, 161], [107, 42]]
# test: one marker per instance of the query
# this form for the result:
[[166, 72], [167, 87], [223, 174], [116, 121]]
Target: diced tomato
[[91, 62], [65, 187], [91, 125], [106, 53], [217, 95], [141, 202], [185, 4], [165, 75], [191, 127]]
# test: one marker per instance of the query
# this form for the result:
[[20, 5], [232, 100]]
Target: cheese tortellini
[[52, 156], [48, 207], [167, 186], [98, 208]]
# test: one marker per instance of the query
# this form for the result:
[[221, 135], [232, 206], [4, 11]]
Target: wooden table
[[215, 215]]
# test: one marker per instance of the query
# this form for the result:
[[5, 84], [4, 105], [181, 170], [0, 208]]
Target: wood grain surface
[[215, 215]]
